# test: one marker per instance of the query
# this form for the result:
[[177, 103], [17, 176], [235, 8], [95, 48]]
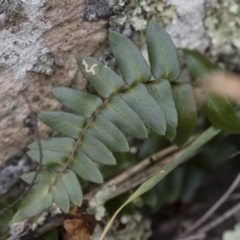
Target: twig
[[19, 234], [53, 223], [215, 206], [194, 237], [40, 160], [146, 174], [220, 219], [234, 155], [140, 166]]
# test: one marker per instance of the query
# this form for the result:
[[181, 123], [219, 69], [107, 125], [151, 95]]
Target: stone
[[39, 41], [11, 171]]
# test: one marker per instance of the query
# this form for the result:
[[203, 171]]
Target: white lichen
[[138, 24], [21, 44], [19, 226], [96, 205], [232, 234]]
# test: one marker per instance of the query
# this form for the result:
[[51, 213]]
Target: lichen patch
[[20, 45]]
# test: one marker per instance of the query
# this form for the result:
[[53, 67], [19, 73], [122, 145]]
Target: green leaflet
[[96, 151], [105, 81], [162, 53], [108, 134], [37, 200], [85, 168], [65, 123], [187, 112], [161, 91], [43, 176], [58, 191], [60, 196], [129, 59], [72, 186], [68, 180], [49, 157], [56, 144], [120, 114], [221, 114], [139, 99], [81, 102], [198, 64]]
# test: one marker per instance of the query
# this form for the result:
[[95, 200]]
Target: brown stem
[[77, 144]]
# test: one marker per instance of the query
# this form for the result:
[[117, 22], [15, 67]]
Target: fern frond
[[133, 104]]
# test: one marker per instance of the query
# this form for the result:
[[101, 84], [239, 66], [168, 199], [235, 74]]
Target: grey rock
[[11, 171], [97, 10]]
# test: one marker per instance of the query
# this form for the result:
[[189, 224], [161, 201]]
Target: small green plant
[[144, 99]]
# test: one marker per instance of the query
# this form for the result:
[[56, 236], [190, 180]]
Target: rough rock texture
[[187, 30], [96, 10], [38, 44], [11, 170]]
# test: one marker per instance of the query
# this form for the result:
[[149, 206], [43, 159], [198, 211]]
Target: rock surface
[[187, 30], [38, 44]]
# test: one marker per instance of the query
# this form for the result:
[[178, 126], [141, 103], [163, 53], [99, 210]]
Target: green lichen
[[136, 14], [222, 26]]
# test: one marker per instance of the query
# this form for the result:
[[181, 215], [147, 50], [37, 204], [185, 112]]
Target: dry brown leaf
[[76, 229], [79, 225]]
